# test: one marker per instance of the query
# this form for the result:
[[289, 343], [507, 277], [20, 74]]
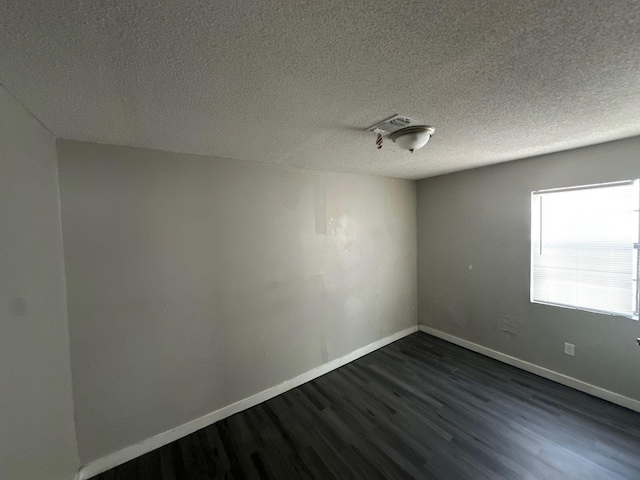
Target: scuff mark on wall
[[292, 188], [506, 325], [344, 232], [324, 354], [19, 306]]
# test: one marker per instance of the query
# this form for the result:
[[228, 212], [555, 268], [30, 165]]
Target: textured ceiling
[[295, 82]]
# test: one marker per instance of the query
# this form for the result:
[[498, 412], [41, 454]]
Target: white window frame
[[536, 229]]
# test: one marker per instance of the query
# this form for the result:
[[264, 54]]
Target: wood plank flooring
[[418, 408]]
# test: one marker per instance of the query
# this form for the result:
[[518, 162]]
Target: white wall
[[194, 282], [37, 438], [481, 218]]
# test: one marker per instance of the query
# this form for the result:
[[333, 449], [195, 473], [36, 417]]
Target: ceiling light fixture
[[413, 137], [404, 131]]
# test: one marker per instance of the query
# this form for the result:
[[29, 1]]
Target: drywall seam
[[535, 369], [117, 458]]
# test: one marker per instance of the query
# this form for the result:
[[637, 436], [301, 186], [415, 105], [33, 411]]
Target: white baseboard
[[129, 453], [541, 371]]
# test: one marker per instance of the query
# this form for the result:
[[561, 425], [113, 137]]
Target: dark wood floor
[[418, 408]]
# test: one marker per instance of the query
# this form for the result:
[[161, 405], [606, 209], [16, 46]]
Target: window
[[584, 248]]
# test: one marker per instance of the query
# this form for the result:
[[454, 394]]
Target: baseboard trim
[[541, 371], [129, 453]]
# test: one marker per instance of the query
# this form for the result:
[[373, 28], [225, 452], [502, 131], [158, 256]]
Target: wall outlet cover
[[569, 349]]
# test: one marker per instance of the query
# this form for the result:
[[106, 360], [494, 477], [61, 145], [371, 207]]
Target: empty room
[[319, 240]]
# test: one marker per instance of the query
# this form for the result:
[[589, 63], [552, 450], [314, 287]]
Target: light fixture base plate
[[392, 124]]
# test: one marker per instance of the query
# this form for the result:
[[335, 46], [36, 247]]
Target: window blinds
[[584, 248]]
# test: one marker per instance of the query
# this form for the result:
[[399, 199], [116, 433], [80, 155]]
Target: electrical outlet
[[569, 349]]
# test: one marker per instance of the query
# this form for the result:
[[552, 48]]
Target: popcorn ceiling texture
[[294, 83]]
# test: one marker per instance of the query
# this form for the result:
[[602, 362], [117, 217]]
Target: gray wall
[[194, 282], [482, 218], [37, 438]]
